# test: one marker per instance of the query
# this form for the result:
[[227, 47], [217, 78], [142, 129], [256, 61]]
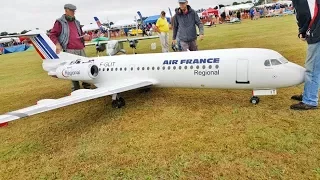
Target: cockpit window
[[283, 60], [275, 62], [267, 63]]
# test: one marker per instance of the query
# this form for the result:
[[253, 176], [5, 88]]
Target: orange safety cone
[[4, 124]]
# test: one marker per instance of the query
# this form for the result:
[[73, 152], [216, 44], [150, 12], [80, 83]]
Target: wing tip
[[7, 118], [3, 124]]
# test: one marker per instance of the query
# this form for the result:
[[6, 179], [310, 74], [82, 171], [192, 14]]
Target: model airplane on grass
[[114, 47], [260, 70]]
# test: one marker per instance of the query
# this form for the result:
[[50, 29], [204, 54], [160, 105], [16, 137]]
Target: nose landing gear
[[255, 100], [261, 92]]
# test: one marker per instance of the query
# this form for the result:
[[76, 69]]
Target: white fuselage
[[243, 68]]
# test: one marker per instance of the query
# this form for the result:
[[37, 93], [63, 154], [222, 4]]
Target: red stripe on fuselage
[[37, 50]]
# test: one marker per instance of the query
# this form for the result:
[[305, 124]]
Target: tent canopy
[[210, 12], [289, 3], [284, 2], [238, 7], [6, 40], [153, 19], [90, 27], [122, 23]]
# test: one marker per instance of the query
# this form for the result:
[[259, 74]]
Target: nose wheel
[[255, 100]]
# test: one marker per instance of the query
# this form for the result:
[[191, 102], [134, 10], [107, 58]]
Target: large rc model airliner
[[260, 70]]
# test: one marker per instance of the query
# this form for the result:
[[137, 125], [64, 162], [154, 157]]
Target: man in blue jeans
[[309, 30]]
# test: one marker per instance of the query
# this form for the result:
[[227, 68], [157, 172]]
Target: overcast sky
[[17, 15]]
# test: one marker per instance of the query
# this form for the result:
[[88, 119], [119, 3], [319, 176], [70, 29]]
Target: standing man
[[307, 13], [67, 34], [163, 30], [251, 13], [126, 30], [1, 48], [177, 45], [144, 30], [184, 24]]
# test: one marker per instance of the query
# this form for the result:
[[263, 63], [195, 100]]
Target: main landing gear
[[264, 92], [117, 101], [145, 90]]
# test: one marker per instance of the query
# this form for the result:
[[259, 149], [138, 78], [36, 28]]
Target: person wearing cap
[[184, 24], [163, 30], [68, 36]]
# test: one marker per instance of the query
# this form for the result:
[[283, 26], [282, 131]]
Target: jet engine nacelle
[[78, 72]]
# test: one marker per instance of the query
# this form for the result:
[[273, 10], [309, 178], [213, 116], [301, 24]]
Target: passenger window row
[[158, 68]]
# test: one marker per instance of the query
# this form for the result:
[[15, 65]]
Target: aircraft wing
[[139, 38], [75, 97], [94, 43], [122, 40]]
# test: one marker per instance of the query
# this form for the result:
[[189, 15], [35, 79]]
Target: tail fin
[[44, 46], [47, 49], [170, 12], [99, 25], [141, 18]]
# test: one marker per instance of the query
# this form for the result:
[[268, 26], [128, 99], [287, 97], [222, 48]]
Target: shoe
[[302, 106], [297, 97]]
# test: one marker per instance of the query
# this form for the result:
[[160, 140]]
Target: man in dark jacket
[[177, 45], [68, 36], [184, 24], [309, 30]]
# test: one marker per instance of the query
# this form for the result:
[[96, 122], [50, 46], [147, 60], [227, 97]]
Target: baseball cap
[[182, 1], [70, 6]]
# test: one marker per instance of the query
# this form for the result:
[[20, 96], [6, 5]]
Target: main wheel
[[254, 100], [118, 103], [146, 90], [122, 102], [115, 104]]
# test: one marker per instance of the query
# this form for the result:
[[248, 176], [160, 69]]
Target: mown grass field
[[166, 133]]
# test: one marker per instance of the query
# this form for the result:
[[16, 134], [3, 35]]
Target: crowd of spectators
[[253, 14]]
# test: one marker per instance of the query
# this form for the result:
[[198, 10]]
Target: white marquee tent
[[122, 23], [90, 27], [265, 5], [289, 3], [238, 7], [6, 40]]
